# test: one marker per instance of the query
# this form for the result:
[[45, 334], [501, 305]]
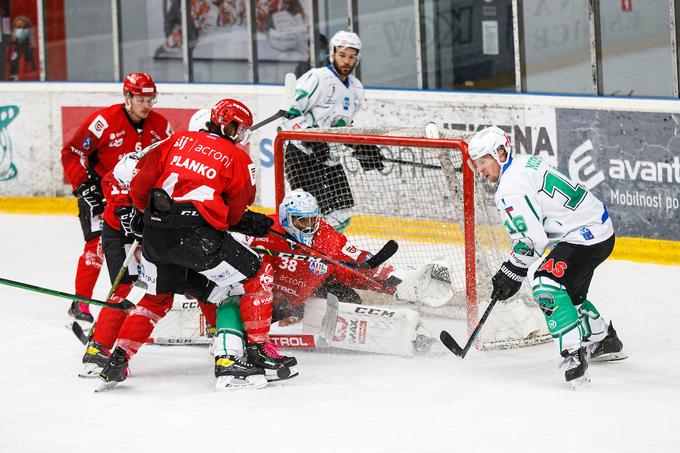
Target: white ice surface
[[501, 401]]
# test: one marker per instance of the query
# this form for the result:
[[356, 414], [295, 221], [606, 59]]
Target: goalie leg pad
[[560, 314], [375, 329]]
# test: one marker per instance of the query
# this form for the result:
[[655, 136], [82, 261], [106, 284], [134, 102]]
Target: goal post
[[423, 195]]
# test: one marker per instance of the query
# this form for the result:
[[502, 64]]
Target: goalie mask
[[299, 216], [487, 141]]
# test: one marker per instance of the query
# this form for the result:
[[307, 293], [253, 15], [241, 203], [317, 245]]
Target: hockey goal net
[[426, 198]]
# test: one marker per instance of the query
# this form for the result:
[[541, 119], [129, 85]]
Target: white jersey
[[323, 100], [538, 202]]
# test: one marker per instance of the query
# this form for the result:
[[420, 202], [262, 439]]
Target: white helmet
[[344, 39], [126, 168], [299, 215], [198, 119], [487, 141]]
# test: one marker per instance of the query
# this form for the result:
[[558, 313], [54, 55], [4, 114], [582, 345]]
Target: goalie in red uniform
[[296, 277], [93, 151]]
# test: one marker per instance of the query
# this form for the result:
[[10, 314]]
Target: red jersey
[[116, 196], [297, 277], [212, 173], [104, 137]]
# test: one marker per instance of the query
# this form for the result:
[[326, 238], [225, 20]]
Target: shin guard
[[89, 265], [256, 311], [229, 338], [560, 314], [593, 325], [139, 324], [109, 320]]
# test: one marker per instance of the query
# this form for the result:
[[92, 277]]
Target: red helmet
[[229, 110], [139, 84]]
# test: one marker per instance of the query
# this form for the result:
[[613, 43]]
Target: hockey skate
[[277, 367], [76, 313], [608, 349], [94, 360], [115, 370], [82, 324], [234, 373], [576, 365]]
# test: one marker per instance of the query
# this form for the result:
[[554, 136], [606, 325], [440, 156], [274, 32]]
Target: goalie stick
[[387, 251], [123, 306], [288, 98], [451, 344]]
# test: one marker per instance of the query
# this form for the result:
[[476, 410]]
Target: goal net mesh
[[416, 196]]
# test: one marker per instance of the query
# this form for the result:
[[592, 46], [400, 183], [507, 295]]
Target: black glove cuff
[[513, 272]]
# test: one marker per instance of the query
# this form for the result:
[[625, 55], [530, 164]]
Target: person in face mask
[[20, 57]]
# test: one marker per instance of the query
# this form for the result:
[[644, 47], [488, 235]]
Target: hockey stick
[[123, 268], [76, 328], [389, 249], [413, 164], [450, 343], [123, 306], [288, 98], [385, 253]]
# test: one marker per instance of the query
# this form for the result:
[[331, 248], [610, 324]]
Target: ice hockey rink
[[501, 401]]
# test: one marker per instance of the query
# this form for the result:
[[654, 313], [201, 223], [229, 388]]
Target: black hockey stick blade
[[386, 252], [77, 329], [451, 344]]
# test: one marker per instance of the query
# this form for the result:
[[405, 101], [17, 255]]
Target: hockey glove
[[369, 157], [507, 281], [126, 215], [253, 224], [90, 196]]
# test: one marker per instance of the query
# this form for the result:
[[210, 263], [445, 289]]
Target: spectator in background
[[20, 56]]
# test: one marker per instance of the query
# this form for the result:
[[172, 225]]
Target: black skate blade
[[106, 386], [450, 343], [78, 331]]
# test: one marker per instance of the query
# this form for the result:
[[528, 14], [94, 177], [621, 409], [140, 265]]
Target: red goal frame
[[468, 188]]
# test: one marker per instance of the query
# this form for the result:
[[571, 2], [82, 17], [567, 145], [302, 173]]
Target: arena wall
[[625, 150]]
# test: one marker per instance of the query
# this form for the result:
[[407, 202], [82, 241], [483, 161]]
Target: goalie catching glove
[[507, 281], [90, 197], [253, 224]]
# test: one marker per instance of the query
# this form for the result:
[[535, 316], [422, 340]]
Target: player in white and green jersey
[[328, 97], [542, 209]]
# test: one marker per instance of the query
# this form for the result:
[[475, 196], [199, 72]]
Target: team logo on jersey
[[318, 268], [87, 142], [351, 251], [267, 278], [345, 103], [97, 126]]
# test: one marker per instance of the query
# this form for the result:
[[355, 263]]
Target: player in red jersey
[[192, 188], [91, 153]]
